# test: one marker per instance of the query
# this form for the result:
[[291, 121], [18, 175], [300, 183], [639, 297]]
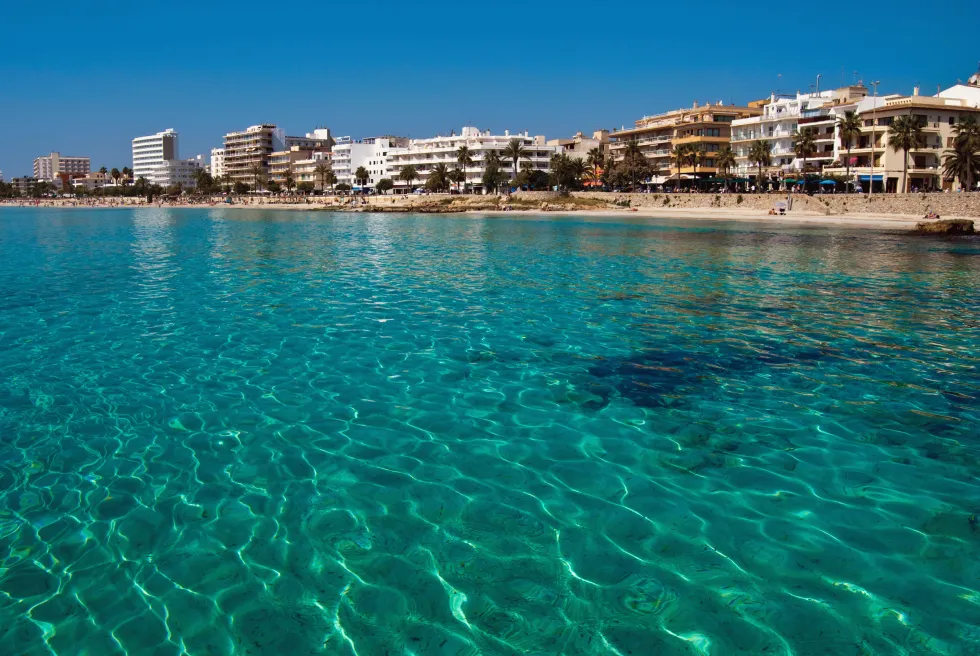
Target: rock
[[945, 227]]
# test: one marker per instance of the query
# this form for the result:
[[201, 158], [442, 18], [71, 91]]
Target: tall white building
[[784, 115], [49, 167], [217, 162], [372, 154], [176, 171], [151, 151], [424, 154]]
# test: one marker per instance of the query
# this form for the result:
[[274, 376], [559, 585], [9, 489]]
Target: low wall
[[914, 205]]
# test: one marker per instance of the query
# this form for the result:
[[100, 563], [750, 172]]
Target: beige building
[[286, 161], [708, 126], [304, 170], [937, 115], [580, 145], [247, 152], [49, 167]]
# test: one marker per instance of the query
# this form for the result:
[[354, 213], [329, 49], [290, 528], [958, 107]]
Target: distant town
[[848, 138]]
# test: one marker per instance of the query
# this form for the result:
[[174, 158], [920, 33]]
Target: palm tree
[[849, 128], [725, 160], [201, 178], [515, 151], [104, 171], [258, 175], [696, 155], [464, 158], [408, 174], [115, 174], [967, 141], [457, 177], [905, 134], [597, 161], [804, 146], [578, 169], [127, 173], [962, 163], [320, 170], [680, 159], [361, 175], [288, 179], [760, 152], [632, 156], [330, 178], [438, 178]]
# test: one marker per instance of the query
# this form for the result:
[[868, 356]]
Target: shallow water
[[247, 433]]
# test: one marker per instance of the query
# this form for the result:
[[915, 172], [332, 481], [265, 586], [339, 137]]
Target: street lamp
[[874, 116]]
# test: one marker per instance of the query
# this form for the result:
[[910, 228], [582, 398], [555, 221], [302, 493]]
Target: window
[[952, 120]]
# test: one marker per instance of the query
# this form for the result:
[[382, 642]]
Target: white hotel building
[[782, 116], [151, 151], [424, 154], [217, 162], [373, 154]]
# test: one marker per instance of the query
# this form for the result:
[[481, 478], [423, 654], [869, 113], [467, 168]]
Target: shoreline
[[746, 215]]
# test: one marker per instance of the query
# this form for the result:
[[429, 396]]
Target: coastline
[[748, 215]]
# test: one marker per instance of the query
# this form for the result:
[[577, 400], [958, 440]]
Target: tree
[[343, 187], [597, 161], [560, 165], [409, 174], [305, 187], [141, 186], [493, 174], [438, 179], [849, 129], [361, 176], [680, 156], [725, 160], [321, 170], [760, 152], [962, 163], [288, 179], [273, 187], [329, 178], [905, 134], [635, 165], [104, 171], [203, 181], [966, 143], [464, 158], [696, 155], [385, 185], [804, 146], [457, 176], [115, 174], [258, 176], [240, 188], [515, 151]]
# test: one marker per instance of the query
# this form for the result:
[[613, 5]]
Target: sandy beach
[[459, 206]]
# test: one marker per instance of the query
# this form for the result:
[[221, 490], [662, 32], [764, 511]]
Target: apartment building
[[372, 153], [424, 154], [292, 160], [707, 126], [874, 161], [304, 170], [151, 151], [177, 171], [217, 165], [56, 166], [579, 145], [782, 116], [319, 139], [247, 153]]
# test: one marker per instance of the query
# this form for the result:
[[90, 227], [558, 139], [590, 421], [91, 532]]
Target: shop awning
[[865, 178]]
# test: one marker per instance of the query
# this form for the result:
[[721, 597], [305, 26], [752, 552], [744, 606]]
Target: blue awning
[[828, 182], [864, 178]]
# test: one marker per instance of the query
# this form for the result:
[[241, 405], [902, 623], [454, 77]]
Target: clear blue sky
[[86, 78]]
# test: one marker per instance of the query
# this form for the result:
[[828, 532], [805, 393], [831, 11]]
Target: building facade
[[177, 171], [707, 126], [152, 150], [373, 154], [782, 116], [424, 154], [246, 156], [579, 146], [305, 170], [873, 159], [217, 165], [50, 167], [319, 139]]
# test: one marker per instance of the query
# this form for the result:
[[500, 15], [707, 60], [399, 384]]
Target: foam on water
[[242, 433]]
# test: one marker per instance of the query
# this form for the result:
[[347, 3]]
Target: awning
[[790, 180], [865, 178], [828, 182]]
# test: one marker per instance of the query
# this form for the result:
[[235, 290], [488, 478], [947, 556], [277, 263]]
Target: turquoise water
[[247, 433]]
